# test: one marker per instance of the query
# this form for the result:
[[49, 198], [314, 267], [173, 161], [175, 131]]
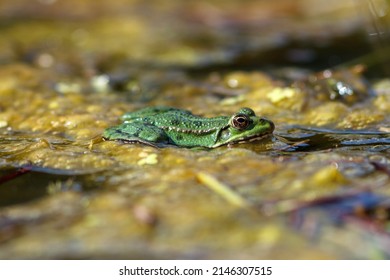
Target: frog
[[161, 126]]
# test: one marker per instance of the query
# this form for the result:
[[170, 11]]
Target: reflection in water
[[312, 139], [28, 183]]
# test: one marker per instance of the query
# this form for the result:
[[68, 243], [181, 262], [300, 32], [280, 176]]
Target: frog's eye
[[240, 121]]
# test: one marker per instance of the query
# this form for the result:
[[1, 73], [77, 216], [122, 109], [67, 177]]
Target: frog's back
[[190, 123], [152, 112], [173, 119], [190, 130]]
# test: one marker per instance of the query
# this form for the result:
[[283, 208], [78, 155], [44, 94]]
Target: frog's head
[[245, 126]]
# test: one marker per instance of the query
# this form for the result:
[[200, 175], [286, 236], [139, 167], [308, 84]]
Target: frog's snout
[[265, 122]]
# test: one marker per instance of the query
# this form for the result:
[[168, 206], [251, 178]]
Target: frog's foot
[[137, 133], [137, 141], [141, 141]]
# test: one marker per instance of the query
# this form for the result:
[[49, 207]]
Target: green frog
[[161, 126]]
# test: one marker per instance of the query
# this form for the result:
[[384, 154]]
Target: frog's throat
[[252, 138], [242, 140]]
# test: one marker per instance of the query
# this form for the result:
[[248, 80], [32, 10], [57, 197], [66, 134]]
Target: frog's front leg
[[137, 133]]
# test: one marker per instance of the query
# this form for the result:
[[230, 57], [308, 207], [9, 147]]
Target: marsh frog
[[160, 126]]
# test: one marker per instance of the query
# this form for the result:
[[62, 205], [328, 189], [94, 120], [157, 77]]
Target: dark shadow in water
[[308, 139], [24, 184]]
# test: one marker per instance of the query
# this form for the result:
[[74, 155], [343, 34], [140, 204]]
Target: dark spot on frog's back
[[175, 121], [179, 137], [136, 132], [198, 123], [120, 132]]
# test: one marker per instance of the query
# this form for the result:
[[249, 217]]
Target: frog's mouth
[[243, 140], [252, 138]]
